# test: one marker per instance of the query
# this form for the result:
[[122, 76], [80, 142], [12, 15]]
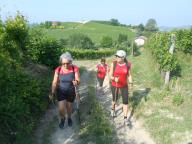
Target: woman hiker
[[101, 70], [120, 76], [65, 79]]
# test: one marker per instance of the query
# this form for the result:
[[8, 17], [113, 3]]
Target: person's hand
[[131, 84], [75, 82], [116, 79], [51, 96]]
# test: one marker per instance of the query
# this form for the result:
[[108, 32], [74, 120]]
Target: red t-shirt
[[121, 71], [101, 70]]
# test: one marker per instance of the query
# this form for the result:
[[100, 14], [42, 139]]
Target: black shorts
[[68, 95], [123, 91]]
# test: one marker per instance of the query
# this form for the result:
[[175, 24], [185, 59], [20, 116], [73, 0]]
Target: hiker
[[120, 76], [101, 70], [66, 78]]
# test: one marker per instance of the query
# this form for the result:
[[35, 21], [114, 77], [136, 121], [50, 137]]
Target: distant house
[[140, 40], [54, 24]]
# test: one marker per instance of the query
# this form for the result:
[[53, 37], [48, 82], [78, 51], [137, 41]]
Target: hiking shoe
[[70, 122], [127, 122], [61, 124], [113, 114]]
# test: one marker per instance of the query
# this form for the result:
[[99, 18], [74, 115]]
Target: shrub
[[80, 41], [106, 42]]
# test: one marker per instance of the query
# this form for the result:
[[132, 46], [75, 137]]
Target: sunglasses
[[118, 56], [65, 63]]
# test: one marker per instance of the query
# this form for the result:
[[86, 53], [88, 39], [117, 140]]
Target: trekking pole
[[77, 103], [96, 83], [116, 91]]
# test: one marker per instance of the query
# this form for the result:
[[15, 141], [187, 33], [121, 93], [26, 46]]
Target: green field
[[93, 29]]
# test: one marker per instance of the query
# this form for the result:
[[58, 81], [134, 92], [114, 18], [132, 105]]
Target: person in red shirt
[[65, 79], [120, 76], [101, 70]]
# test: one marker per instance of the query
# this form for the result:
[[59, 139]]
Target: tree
[[151, 25], [16, 36], [140, 29], [79, 40], [48, 24], [114, 22]]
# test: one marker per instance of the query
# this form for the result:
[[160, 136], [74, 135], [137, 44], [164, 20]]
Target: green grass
[[167, 113], [93, 29]]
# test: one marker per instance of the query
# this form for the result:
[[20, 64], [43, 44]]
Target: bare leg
[[69, 109], [125, 110], [62, 108], [113, 105]]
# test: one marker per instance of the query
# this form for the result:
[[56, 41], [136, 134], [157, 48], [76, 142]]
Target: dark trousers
[[124, 93], [100, 80]]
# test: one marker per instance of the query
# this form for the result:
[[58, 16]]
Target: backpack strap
[[114, 66], [73, 71]]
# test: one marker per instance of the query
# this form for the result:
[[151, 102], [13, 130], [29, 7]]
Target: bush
[[106, 42], [22, 97], [183, 40], [89, 53], [15, 37], [43, 50]]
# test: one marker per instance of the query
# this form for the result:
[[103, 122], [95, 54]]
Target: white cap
[[121, 53]]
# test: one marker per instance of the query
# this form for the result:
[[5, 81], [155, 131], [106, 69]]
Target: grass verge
[[96, 127]]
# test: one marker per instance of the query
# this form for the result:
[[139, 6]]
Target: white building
[[140, 40]]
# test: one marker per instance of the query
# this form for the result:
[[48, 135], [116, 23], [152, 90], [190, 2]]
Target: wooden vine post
[[171, 49]]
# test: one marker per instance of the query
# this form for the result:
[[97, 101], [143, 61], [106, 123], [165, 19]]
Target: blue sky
[[165, 12]]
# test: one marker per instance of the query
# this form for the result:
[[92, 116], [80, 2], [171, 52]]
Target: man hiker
[[65, 79], [120, 76]]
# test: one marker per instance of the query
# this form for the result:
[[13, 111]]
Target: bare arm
[[54, 83], [111, 72], [77, 78], [116, 79]]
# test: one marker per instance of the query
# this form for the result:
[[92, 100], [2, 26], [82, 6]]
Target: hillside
[[94, 30]]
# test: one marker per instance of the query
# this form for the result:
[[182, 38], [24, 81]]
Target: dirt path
[[48, 131]]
